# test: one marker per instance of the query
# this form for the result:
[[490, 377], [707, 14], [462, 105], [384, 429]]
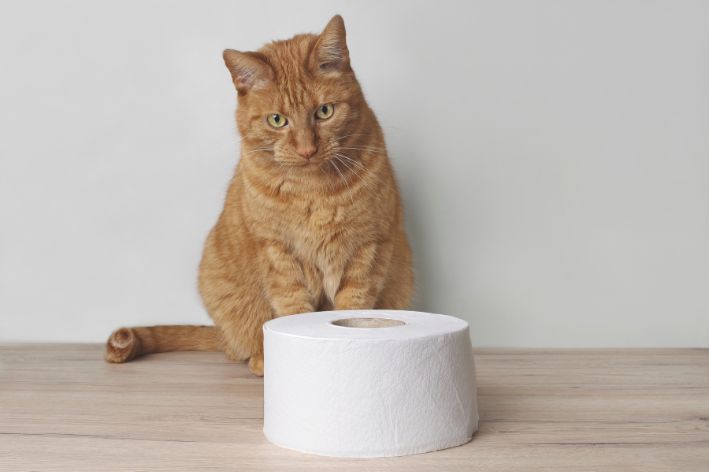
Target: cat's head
[[298, 99]]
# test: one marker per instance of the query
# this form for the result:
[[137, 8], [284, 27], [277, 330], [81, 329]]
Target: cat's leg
[[285, 281], [364, 276], [241, 311], [398, 288], [232, 293], [235, 297]]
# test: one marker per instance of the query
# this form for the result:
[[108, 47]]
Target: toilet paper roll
[[369, 383]]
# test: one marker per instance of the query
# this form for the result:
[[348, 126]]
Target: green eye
[[325, 111], [276, 120]]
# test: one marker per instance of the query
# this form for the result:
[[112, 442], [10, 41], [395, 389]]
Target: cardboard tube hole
[[367, 323]]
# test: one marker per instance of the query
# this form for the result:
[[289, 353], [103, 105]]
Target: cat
[[312, 219]]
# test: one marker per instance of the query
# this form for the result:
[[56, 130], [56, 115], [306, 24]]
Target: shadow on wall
[[410, 175], [442, 238]]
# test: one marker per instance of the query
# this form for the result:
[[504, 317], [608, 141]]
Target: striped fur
[[296, 234]]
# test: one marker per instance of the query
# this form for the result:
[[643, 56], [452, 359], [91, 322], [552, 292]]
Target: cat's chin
[[312, 170], [306, 165]]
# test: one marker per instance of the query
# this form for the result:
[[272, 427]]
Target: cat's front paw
[[256, 364]]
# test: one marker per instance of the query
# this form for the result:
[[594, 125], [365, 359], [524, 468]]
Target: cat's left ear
[[331, 53]]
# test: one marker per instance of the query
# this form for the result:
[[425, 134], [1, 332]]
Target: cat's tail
[[128, 343]]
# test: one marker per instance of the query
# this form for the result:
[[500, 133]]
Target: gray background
[[553, 156]]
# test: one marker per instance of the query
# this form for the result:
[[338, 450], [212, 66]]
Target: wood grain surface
[[62, 408]]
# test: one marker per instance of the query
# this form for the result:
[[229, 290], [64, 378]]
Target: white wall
[[554, 159]]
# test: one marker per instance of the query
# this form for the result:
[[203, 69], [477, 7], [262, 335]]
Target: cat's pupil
[[276, 118], [324, 108]]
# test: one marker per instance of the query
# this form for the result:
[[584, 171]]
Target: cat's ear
[[249, 70], [331, 54]]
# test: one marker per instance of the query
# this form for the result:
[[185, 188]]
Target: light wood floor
[[63, 408]]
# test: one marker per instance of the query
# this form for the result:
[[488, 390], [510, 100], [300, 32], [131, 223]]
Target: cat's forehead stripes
[[290, 61]]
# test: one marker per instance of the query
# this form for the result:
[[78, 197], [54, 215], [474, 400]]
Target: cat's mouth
[[313, 162], [301, 163]]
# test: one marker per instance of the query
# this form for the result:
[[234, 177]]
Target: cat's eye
[[325, 111], [276, 120]]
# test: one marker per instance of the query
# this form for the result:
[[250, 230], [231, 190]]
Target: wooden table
[[63, 408]]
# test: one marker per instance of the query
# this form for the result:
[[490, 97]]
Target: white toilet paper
[[336, 385]]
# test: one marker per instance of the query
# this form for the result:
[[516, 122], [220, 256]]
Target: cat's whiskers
[[340, 138], [365, 148], [286, 169], [344, 179], [355, 171], [360, 165], [327, 178], [354, 162], [338, 158], [262, 149]]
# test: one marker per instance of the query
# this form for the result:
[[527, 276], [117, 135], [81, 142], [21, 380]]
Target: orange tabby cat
[[312, 219]]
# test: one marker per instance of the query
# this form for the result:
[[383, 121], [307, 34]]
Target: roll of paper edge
[[369, 392]]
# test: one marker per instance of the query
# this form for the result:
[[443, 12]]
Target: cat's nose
[[306, 150]]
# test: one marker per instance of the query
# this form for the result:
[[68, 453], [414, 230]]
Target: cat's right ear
[[249, 70]]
